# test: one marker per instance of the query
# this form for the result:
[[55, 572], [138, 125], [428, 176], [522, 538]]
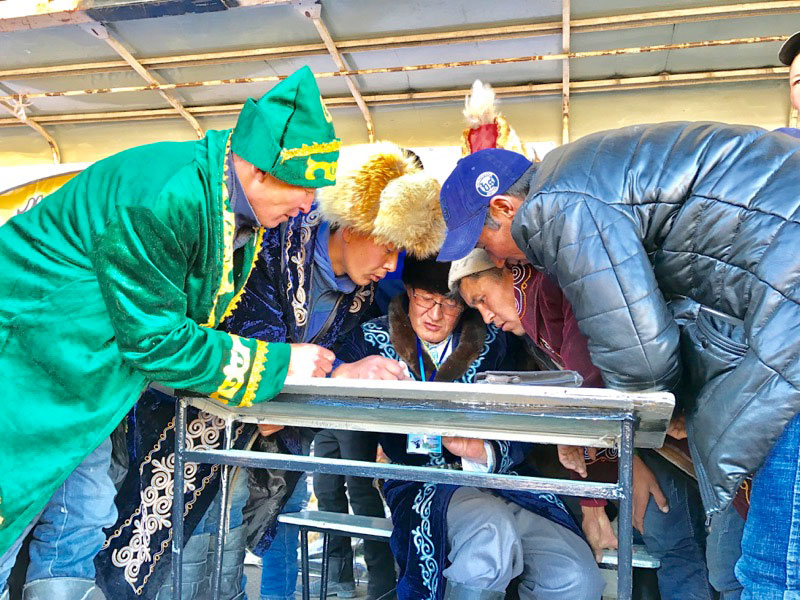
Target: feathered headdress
[[381, 192], [487, 128]]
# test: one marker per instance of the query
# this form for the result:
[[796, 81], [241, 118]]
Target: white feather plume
[[479, 108]]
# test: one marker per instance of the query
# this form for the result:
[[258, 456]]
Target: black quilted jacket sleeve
[[595, 253]]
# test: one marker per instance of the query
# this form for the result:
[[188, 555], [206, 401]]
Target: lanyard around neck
[[422, 362]]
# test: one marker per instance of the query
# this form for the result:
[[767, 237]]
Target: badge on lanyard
[[419, 443]]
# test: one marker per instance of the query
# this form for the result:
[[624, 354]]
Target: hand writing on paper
[[372, 367]]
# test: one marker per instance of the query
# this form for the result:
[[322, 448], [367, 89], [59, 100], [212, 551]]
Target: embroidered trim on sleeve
[[234, 372], [259, 364]]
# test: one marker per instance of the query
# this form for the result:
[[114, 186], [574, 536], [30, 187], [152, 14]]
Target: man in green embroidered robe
[[119, 278]]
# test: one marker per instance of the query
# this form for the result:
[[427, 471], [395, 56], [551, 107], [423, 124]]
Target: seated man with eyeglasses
[[449, 541]]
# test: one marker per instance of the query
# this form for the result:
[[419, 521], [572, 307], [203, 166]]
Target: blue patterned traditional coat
[[135, 560], [419, 510]]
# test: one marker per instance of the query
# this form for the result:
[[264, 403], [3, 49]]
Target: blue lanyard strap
[[422, 362]]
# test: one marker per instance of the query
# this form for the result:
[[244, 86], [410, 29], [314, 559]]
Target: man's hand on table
[[310, 360], [305, 360], [372, 367]]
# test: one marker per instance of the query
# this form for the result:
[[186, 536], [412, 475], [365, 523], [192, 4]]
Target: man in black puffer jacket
[[678, 246]]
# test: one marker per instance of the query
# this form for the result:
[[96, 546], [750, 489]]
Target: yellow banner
[[19, 199]]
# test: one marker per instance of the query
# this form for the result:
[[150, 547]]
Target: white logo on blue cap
[[487, 184]]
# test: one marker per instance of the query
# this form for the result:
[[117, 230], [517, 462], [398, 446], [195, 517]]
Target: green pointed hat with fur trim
[[289, 133]]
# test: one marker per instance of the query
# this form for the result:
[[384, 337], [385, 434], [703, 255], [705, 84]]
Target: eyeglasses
[[452, 308]]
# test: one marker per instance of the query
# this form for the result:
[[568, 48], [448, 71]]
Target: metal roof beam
[[23, 119], [101, 32], [312, 10], [452, 95], [405, 68], [611, 22]]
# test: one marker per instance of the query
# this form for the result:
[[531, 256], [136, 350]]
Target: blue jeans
[[769, 568], [677, 538], [279, 563], [69, 531], [238, 494], [724, 547]]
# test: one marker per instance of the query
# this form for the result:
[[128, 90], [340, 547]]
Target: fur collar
[[404, 340]]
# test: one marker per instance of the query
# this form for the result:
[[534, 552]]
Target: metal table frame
[[325, 530], [590, 417], [380, 529]]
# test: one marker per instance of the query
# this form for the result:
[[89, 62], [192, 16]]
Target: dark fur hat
[[426, 274]]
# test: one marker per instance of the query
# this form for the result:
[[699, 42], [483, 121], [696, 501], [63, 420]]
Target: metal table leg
[[177, 499], [323, 584], [304, 561], [224, 514], [625, 529]]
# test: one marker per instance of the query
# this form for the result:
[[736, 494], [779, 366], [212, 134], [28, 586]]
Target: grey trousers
[[492, 541]]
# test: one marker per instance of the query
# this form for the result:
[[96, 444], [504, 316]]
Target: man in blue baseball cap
[[489, 187], [479, 201], [676, 245]]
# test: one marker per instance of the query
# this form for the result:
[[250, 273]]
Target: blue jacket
[[678, 246]]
